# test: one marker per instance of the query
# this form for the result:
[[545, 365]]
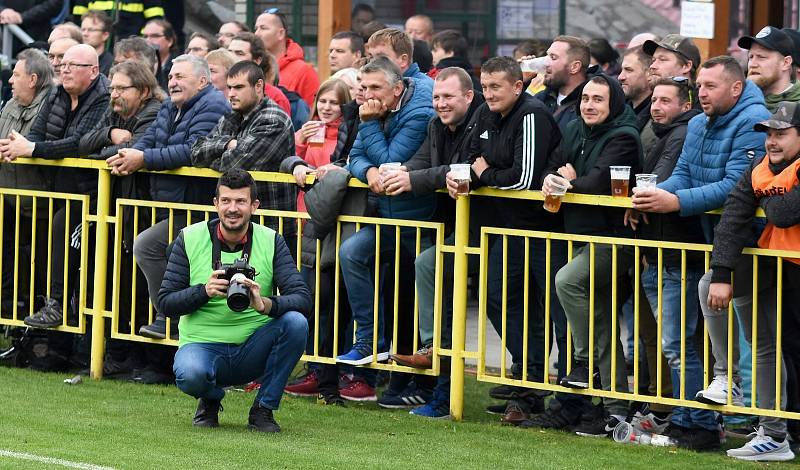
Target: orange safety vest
[[766, 184]]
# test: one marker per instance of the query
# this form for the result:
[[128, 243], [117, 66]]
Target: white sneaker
[[650, 423], [717, 392], [763, 448]]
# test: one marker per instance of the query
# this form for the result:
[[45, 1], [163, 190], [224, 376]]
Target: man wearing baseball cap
[[770, 65], [673, 56], [771, 183]]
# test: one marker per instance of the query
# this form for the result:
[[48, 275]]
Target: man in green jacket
[[604, 135], [770, 67]]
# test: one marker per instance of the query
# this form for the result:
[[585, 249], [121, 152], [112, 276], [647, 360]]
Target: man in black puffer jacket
[[70, 112]]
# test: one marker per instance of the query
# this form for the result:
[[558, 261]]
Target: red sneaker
[[305, 386], [358, 390]]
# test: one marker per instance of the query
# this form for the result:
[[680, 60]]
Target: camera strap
[[216, 243]]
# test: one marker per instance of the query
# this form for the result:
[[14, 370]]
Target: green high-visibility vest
[[214, 322]]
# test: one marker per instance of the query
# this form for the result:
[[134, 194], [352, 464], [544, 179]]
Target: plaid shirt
[[264, 138]]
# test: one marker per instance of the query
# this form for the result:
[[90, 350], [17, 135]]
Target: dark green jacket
[[592, 151]]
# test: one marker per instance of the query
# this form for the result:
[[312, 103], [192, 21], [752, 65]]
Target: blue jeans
[[357, 260], [268, 355], [671, 338]]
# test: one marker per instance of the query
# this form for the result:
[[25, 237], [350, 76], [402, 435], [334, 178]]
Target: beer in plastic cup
[[552, 202], [461, 175], [318, 139], [535, 65], [620, 177], [646, 181]]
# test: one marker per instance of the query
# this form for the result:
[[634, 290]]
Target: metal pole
[[562, 16], [7, 42], [100, 272], [459, 309]]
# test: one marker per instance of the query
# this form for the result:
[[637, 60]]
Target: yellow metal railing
[[100, 310]]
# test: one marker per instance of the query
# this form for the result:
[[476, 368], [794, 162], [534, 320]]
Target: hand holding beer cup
[[554, 188], [387, 169], [460, 173]]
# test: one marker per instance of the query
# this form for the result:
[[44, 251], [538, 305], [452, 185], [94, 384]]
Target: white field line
[[51, 461]]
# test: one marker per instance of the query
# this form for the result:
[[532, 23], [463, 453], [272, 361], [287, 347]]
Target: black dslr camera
[[238, 293]]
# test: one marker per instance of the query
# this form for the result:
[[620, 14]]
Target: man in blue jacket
[[194, 107], [720, 144], [394, 122]]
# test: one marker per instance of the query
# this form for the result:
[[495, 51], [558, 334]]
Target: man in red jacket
[[295, 74]]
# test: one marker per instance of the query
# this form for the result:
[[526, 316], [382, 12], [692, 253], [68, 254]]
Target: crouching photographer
[[219, 280]]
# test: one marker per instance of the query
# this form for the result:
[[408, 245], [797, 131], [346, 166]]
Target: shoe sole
[[408, 364], [384, 356], [256, 428], [769, 457], [576, 385], [372, 398], [151, 334], [429, 417], [297, 394], [709, 401]]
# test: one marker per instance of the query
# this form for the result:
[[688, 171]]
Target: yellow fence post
[[459, 309], [100, 272]]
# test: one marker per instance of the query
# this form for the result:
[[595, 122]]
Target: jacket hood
[[751, 96], [454, 61], [620, 114], [683, 119], [293, 52]]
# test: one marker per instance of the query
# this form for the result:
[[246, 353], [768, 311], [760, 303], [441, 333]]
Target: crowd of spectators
[[402, 107]]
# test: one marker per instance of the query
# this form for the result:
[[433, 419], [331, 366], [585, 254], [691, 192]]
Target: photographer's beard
[[235, 222]]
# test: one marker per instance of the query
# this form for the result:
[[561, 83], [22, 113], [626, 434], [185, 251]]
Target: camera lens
[[238, 294]]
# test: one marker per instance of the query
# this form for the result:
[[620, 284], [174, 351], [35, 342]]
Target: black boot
[[207, 414], [261, 419]]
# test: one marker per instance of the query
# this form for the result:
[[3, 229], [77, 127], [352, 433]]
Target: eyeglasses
[[272, 10], [119, 89], [70, 67], [681, 80], [153, 36], [277, 12]]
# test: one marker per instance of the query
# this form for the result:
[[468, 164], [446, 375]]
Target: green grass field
[[124, 425]]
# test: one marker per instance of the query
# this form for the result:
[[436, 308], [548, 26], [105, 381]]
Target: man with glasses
[[161, 35], [200, 44], [228, 30], [295, 74], [70, 111], [96, 29], [128, 16], [719, 145], [56, 53]]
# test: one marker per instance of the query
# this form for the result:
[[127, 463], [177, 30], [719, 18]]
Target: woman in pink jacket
[[311, 147]]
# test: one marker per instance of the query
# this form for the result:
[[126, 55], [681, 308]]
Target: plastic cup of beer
[[386, 169], [620, 177], [646, 181], [461, 175], [552, 202], [318, 139], [535, 65]]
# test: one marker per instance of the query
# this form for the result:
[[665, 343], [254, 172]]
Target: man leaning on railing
[[70, 111], [257, 136], [192, 110], [31, 83]]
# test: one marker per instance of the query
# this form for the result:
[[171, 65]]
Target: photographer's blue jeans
[[671, 338], [357, 260], [269, 355]]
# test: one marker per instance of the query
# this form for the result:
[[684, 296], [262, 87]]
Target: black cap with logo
[[772, 38]]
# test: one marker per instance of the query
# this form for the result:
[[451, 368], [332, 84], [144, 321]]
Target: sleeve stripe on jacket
[[528, 153]]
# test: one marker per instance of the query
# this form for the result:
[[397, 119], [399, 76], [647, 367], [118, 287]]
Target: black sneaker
[[699, 439], [49, 316], [577, 378], [207, 414], [497, 409], [158, 329], [550, 419], [599, 427], [512, 392], [261, 419], [333, 399]]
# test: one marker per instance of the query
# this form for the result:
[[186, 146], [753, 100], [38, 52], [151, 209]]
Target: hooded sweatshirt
[[792, 94], [296, 75], [592, 151]]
